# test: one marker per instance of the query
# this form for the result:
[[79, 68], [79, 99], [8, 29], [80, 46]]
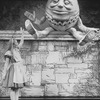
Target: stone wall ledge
[[63, 36], [55, 98]]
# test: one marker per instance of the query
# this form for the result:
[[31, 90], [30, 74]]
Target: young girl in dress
[[14, 73]]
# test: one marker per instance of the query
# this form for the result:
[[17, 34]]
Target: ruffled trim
[[19, 85], [8, 54]]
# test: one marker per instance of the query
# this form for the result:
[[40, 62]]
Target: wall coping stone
[[62, 36]]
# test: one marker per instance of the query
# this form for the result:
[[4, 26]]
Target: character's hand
[[31, 16]]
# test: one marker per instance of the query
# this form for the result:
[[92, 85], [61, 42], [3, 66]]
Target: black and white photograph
[[49, 49]]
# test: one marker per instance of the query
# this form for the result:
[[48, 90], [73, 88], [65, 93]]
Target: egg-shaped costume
[[61, 15]]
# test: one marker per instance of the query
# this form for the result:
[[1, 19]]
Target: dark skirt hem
[[17, 86]]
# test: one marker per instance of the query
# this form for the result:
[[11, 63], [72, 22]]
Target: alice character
[[14, 73], [61, 15]]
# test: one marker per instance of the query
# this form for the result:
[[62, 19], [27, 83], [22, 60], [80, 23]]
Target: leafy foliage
[[80, 51]]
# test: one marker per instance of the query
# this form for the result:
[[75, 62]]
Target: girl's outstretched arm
[[22, 38]]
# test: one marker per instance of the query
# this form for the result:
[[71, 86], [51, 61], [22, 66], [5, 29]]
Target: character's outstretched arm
[[84, 28]]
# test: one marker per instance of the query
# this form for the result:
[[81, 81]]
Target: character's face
[[62, 9]]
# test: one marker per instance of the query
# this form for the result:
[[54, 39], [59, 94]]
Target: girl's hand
[[22, 30], [22, 38]]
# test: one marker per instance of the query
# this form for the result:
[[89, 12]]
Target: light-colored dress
[[20, 69], [16, 72]]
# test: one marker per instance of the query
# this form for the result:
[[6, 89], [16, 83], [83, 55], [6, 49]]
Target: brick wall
[[51, 72]]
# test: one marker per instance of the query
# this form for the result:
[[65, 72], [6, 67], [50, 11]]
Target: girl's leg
[[12, 94], [16, 94]]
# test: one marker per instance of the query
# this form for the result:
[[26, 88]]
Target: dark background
[[12, 12]]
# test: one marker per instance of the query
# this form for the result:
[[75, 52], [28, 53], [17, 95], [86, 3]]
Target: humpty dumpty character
[[61, 15]]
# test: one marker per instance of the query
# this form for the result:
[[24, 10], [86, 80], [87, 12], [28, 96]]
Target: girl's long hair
[[11, 44]]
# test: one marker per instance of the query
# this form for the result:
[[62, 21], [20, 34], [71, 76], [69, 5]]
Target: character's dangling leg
[[91, 33], [32, 30], [85, 34], [78, 35]]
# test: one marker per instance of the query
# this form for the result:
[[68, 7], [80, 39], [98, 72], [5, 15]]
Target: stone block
[[34, 74], [54, 58], [73, 75], [39, 57], [50, 46], [61, 48], [67, 89], [27, 46], [50, 66], [42, 43], [87, 71], [42, 48], [51, 90], [36, 67], [78, 66], [33, 91], [65, 94], [84, 75], [48, 75], [35, 58], [64, 88], [73, 81], [64, 70], [62, 78], [74, 60], [35, 78], [57, 43], [34, 48], [61, 66]]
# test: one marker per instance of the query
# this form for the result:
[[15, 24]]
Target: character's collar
[[62, 22]]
